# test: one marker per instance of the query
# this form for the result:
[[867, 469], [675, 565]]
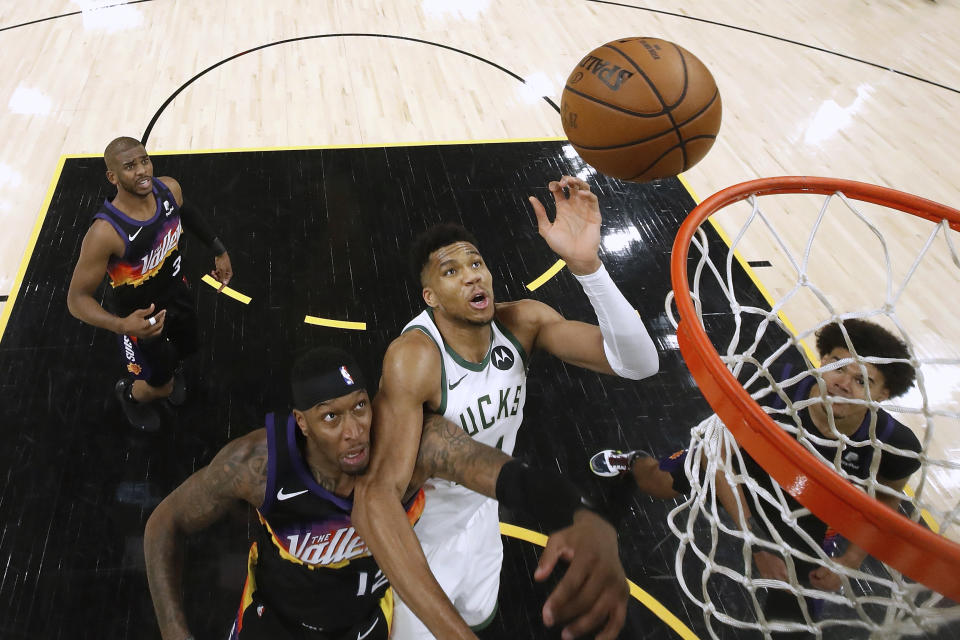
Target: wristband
[[547, 496], [218, 248]]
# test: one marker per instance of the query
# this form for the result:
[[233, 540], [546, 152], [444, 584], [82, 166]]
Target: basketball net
[[731, 362]]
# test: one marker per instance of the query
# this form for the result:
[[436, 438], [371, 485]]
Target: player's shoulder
[[526, 315], [174, 186], [414, 343], [901, 436], [240, 467], [103, 236], [245, 448], [413, 358], [411, 346], [525, 310]]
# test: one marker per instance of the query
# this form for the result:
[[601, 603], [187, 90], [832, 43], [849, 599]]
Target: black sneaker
[[140, 416], [179, 394]]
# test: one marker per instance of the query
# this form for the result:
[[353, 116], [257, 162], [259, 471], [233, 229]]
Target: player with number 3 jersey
[[135, 239]]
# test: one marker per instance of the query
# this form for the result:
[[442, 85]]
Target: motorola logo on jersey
[[502, 357]]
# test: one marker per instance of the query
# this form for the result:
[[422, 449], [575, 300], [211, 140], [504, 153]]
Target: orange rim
[[897, 541]]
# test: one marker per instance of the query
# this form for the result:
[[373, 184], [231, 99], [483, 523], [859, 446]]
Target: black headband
[[322, 386]]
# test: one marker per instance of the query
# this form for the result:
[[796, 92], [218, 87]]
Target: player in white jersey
[[466, 358]]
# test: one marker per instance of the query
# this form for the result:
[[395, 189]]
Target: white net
[[851, 261]]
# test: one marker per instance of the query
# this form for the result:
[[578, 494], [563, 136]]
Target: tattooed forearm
[[237, 473], [163, 550], [449, 453]]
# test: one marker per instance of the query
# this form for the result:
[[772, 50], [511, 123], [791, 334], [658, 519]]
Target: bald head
[[115, 148]]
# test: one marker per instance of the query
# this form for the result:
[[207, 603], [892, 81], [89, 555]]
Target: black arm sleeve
[[196, 224], [546, 496]]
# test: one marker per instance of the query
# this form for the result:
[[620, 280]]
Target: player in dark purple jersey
[[898, 449], [310, 576], [135, 239]]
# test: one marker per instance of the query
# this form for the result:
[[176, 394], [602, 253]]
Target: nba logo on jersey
[[346, 376]]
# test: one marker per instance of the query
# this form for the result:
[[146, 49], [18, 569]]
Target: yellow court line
[[814, 358], [926, 515], [651, 603], [28, 251], [549, 273], [227, 291], [336, 324]]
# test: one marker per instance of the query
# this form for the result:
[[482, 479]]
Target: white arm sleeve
[[626, 343]]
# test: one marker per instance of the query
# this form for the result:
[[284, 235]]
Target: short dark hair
[[869, 339], [439, 235], [318, 371], [118, 145]]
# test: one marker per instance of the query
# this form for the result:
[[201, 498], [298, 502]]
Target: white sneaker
[[610, 463]]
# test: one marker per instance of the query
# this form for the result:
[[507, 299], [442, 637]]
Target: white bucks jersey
[[486, 400]]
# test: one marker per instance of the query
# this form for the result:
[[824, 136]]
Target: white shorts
[[467, 566]]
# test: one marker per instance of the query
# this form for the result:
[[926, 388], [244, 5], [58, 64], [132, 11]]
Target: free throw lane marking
[[336, 324], [227, 291], [651, 603], [549, 273]]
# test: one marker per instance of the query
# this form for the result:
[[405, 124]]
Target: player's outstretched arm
[[622, 344], [196, 223], [411, 370], [237, 472], [593, 593]]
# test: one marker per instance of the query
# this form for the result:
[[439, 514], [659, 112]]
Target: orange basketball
[[641, 108]]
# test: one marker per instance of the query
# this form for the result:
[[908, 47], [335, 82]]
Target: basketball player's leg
[[477, 597], [467, 566], [160, 361], [182, 328], [135, 391]]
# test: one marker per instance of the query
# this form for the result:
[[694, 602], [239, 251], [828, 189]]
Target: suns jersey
[[486, 399], [150, 265], [310, 564]]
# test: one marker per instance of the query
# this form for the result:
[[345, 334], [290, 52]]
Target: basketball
[[640, 109]]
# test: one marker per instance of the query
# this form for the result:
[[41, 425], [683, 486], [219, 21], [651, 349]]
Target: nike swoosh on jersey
[[136, 234], [286, 496], [453, 385]]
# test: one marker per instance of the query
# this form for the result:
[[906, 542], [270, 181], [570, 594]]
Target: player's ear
[[430, 297], [111, 177], [879, 390], [301, 420]]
